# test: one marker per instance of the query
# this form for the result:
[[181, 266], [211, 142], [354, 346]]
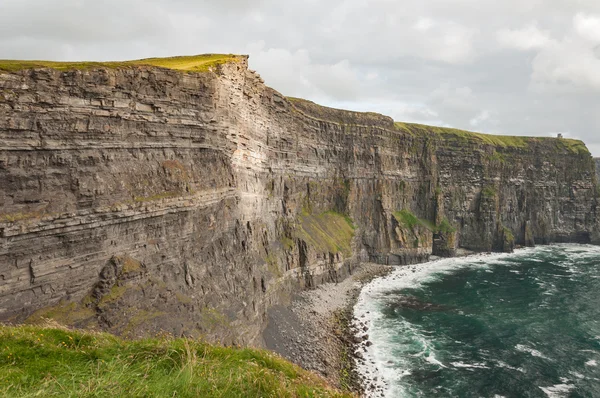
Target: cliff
[[152, 196], [597, 160]]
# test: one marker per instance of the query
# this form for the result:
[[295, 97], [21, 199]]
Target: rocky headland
[[138, 198]]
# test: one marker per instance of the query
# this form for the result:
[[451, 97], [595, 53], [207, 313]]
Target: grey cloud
[[509, 67]]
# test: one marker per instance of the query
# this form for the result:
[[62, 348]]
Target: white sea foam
[[469, 365], [507, 366], [533, 352], [577, 374], [379, 361], [592, 363], [382, 360], [558, 390]]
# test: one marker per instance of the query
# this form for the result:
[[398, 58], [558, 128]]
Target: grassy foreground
[[194, 63], [55, 362]]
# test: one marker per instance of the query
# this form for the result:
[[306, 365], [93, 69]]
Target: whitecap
[[577, 374], [591, 363], [507, 366], [533, 352], [469, 365], [558, 390], [433, 360], [382, 359]]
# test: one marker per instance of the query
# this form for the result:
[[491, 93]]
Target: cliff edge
[[184, 195]]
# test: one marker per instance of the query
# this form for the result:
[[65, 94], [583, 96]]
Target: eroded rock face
[[143, 200], [597, 160]]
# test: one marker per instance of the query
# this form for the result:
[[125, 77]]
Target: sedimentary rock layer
[[142, 199]]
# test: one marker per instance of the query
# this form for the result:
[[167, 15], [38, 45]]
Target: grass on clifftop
[[46, 362], [445, 133], [194, 63], [502, 141], [450, 133]]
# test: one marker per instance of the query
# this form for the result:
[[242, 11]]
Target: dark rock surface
[[143, 199]]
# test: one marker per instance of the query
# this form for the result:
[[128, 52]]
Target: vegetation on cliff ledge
[[53, 361], [499, 141], [407, 219], [193, 63], [327, 232]]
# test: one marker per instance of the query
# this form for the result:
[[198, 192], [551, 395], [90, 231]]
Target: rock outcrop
[[143, 199]]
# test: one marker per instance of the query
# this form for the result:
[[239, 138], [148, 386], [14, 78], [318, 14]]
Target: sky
[[514, 67]]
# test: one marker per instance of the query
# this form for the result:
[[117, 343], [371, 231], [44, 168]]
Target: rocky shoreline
[[316, 331]]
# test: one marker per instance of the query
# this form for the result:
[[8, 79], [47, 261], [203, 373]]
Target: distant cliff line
[[184, 195]]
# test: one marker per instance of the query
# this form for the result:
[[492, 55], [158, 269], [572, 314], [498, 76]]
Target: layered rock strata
[[144, 199]]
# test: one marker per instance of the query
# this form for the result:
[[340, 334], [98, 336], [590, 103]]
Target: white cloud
[[571, 64], [302, 76], [447, 41], [483, 116], [424, 24], [457, 99], [587, 26], [528, 38], [567, 66]]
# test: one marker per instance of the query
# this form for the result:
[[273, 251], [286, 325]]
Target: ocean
[[525, 324]]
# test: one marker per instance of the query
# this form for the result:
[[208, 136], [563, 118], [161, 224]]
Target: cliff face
[[597, 160], [145, 199]]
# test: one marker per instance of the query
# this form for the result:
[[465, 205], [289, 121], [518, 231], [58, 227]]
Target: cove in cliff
[[185, 196]]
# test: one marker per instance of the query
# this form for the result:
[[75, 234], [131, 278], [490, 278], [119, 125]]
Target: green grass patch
[[327, 232], [408, 219], [55, 362], [131, 265], [574, 146], [66, 313], [497, 157], [287, 243], [194, 63], [488, 192], [116, 292], [273, 265], [508, 235], [499, 141], [463, 135], [445, 227]]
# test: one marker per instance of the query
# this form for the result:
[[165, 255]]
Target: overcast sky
[[519, 67]]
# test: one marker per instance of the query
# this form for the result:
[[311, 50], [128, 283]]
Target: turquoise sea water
[[520, 325]]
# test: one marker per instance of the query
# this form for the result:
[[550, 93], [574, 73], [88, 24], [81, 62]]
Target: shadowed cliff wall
[[145, 199]]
